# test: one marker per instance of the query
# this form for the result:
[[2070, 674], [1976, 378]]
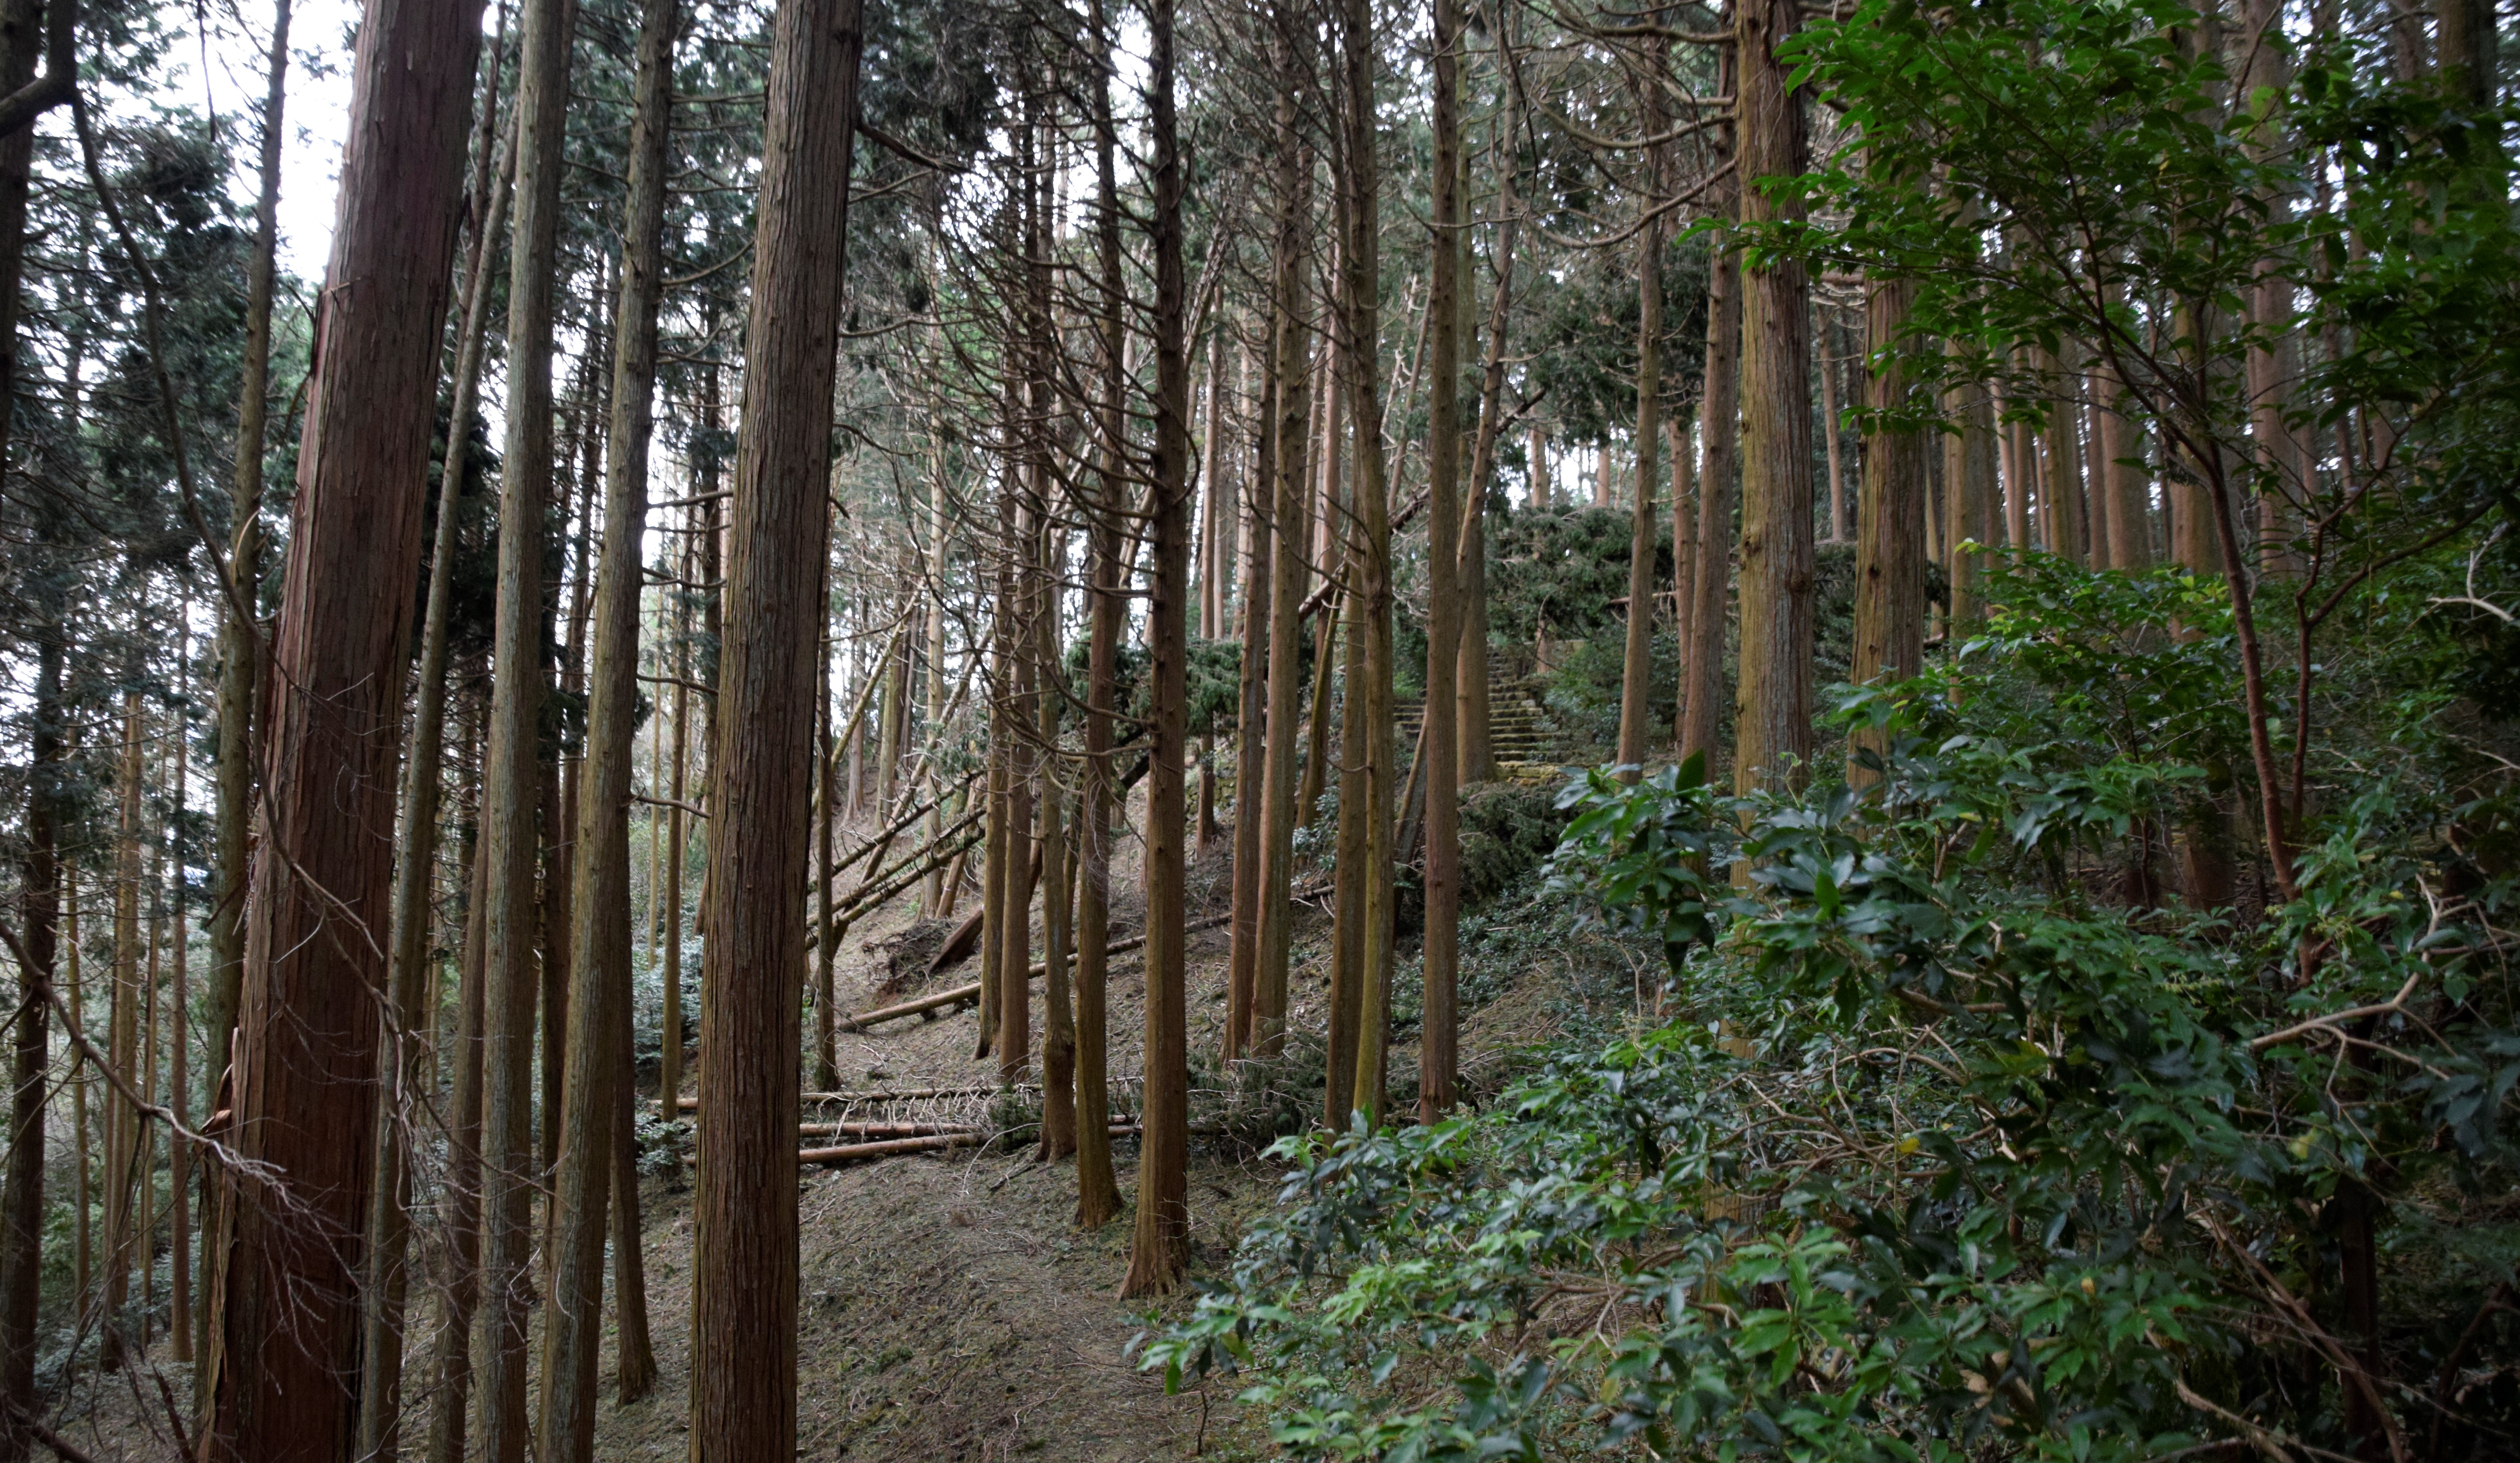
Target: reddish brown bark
[[744, 1272], [305, 1089], [1161, 1248]]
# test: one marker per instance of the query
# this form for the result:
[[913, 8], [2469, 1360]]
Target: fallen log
[[852, 1151], [959, 995], [959, 945], [881, 889], [881, 1129], [906, 1094]]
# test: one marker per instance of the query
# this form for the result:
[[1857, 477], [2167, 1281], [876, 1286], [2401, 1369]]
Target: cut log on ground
[[881, 1129], [966, 994], [848, 1153], [959, 946], [904, 1094]]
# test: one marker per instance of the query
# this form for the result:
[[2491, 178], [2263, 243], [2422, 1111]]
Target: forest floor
[[950, 1308]]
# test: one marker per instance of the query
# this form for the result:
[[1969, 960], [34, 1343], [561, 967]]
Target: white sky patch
[[227, 78]]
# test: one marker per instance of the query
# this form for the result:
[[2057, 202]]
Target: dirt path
[[950, 1308]]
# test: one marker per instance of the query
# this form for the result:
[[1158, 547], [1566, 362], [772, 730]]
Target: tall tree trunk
[[1890, 549], [938, 531], [636, 1350], [1212, 553], [669, 1054], [1478, 744], [1378, 754], [828, 793], [284, 1366], [1635, 695], [1160, 1250], [1348, 906], [1290, 527], [512, 783], [388, 1230], [240, 640], [2062, 499], [1719, 437], [122, 1032], [21, 1203], [598, 995], [1331, 553], [998, 851], [1683, 536], [1098, 1192], [2130, 496], [2468, 45], [1839, 528], [1057, 900], [82, 1142], [1242, 964], [1438, 1055], [1969, 499], [1772, 728], [461, 1291], [743, 1274]]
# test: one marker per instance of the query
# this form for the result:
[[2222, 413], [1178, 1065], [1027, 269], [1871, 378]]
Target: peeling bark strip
[[743, 1283], [305, 1088]]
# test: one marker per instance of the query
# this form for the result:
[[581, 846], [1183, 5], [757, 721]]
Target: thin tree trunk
[[1635, 695], [1241, 1024], [1772, 728], [1377, 753], [1439, 1059], [306, 1083], [1098, 1192], [240, 640], [637, 1352], [512, 784], [84, 1274], [1839, 529], [744, 1271], [1479, 743], [1332, 556], [600, 978], [827, 817], [461, 1291], [1159, 1250], [1290, 527], [669, 1054], [178, 1089], [998, 852], [2062, 500], [1719, 437], [1058, 1035], [122, 1032], [1211, 516], [933, 903]]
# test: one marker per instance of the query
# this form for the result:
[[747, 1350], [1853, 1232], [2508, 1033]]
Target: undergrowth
[[1948, 1136]]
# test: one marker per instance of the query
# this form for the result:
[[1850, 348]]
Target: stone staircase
[[1516, 714]]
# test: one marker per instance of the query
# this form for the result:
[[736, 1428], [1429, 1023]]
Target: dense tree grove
[[1730, 729]]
